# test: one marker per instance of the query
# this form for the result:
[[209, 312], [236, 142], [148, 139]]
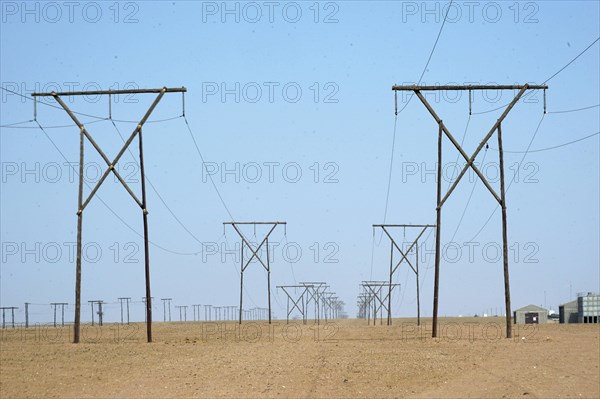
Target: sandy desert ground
[[338, 359]]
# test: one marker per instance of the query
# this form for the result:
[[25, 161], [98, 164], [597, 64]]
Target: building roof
[[571, 304], [584, 294], [531, 308]]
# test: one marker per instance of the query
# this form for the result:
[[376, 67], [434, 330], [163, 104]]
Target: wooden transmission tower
[[442, 129], [84, 134]]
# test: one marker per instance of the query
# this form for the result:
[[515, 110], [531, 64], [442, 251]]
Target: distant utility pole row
[[305, 298]]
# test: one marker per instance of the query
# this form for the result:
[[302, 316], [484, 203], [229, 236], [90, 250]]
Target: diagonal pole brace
[[111, 165], [471, 159]]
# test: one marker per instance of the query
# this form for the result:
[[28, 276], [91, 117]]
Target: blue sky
[[294, 100]]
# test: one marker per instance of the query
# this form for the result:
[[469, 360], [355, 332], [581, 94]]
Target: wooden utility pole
[[62, 305], [244, 264], [12, 312], [373, 289], [184, 311], [315, 288], [196, 309], [126, 300], [298, 301], [84, 134], [501, 199], [27, 314], [404, 257], [100, 313], [145, 302], [166, 306]]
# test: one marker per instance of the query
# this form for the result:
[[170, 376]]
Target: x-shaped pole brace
[[363, 300], [244, 263], [111, 165], [313, 291], [404, 254], [379, 299], [470, 159], [327, 296], [295, 303], [254, 252], [376, 293]]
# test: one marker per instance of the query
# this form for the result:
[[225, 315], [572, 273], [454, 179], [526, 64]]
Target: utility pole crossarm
[[468, 87], [404, 225], [232, 223], [110, 92]]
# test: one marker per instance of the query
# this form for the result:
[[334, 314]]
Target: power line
[[430, 54], [156, 191], [528, 149], [468, 201], [491, 110], [462, 142], [238, 272], [288, 261], [436, 42], [104, 203], [549, 112], [572, 61], [387, 197], [553, 147], [99, 118], [551, 77], [372, 254], [20, 123], [574, 110], [203, 163], [10, 126], [39, 126], [512, 180], [49, 105]]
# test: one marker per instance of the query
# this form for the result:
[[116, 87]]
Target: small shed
[[531, 314], [568, 313]]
